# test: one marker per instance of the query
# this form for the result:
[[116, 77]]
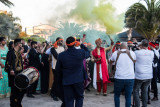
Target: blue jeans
[[127, 85]]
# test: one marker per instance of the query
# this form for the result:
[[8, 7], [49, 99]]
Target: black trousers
[[158, 72], [154, 82], [32, 88], [53, 90], [16, 97], [74, 92]]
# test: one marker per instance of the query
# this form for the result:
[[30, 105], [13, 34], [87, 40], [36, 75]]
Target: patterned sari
[[4, 86]]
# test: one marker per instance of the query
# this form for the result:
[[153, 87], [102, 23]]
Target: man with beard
[[55, 50], [130, 44], [101, 67], [14, 66], [34, 61]]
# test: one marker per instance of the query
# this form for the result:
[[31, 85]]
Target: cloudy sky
[[35, 12]]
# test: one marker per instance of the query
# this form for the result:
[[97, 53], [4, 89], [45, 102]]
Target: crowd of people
[[74, 65]]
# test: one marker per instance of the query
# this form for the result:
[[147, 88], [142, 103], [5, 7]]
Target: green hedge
[[38, 39]]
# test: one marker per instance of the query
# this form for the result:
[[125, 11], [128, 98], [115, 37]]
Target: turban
[[118, 43], [157, 44], [98, 40], [152, 44], [74, 43], [55, 44], [85, 44], [130, 42]]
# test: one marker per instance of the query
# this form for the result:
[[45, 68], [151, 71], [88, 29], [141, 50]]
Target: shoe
[[104, 94], [88, 89], [55, 99], [30, 96], [98, 93], [155, 99], [35, 93], [148, 102]]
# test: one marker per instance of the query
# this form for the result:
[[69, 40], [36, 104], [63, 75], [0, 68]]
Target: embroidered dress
[[4, 86]]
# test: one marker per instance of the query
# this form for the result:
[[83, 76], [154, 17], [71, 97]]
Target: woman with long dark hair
[[10, 45], [4, 88], [45, 70]]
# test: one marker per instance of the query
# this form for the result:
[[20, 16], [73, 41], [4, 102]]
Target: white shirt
[[143, 65], [124, 66], [59, 49], [48, 52]]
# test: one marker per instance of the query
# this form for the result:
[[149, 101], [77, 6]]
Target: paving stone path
[[90, 100]]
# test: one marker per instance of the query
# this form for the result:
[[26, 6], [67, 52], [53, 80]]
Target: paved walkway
[[90, 100]]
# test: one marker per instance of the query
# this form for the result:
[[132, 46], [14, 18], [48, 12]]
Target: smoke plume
[[102, 12]]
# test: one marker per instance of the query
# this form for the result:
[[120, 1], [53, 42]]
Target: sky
[[35, 12]]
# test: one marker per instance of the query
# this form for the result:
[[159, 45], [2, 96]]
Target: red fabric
[[130, 42], [151, 44], [105, 88], [157, 44], [99, 87], [149, 48], [104, 68], [113, 50], [98, 70]]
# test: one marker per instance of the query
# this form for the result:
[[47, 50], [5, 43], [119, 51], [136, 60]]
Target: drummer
[[14, 66]]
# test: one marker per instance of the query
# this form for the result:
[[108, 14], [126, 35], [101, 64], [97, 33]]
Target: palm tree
[[7, 3], [145, 19], [67, 29]]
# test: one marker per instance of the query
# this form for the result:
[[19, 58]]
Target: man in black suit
[[25, 46], [70, 68], [34, 61], [14, 66]]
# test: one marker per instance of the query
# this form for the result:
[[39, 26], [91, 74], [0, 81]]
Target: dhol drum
[[26, 78]]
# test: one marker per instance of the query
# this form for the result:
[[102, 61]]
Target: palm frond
[[144, 19], [7, 3]]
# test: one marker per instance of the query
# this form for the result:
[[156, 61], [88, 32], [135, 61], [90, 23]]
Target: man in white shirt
[[124, 74], [143, 73], [54, 51]]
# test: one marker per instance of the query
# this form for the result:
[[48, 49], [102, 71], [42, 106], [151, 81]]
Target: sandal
[[98, 93], [104, 94]]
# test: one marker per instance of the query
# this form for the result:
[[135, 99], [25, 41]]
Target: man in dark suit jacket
[[70, 68], [34, 61], [14, 66]]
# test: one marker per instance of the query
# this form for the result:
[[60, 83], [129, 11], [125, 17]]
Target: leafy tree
[[9, 26], [38, 39], [7, 3], [145, 19]]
